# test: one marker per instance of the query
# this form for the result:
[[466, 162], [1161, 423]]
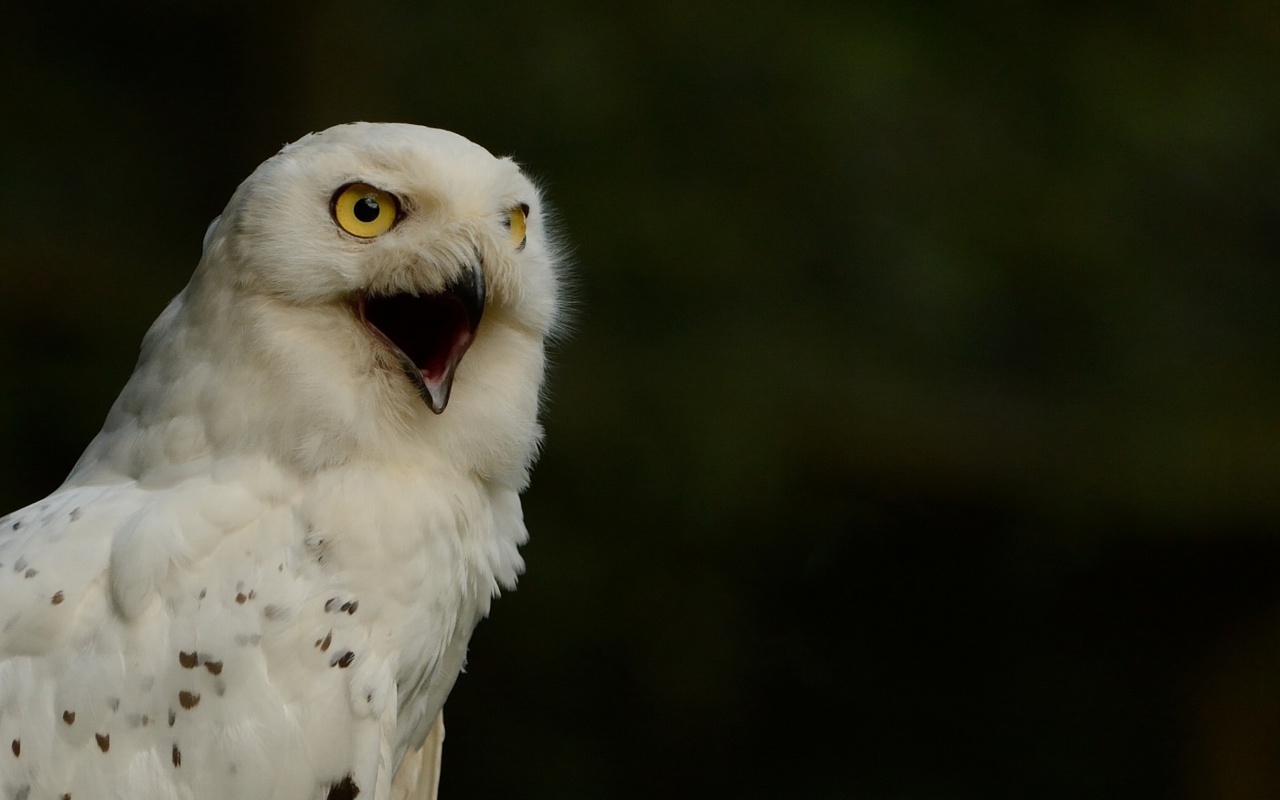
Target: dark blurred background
[[918, 436]]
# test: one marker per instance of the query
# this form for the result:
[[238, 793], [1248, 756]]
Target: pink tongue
[[442, 364]]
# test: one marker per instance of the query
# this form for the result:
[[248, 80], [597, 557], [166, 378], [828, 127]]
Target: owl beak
[[429, 333]]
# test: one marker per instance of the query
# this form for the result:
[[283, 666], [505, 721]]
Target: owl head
[[371, 288]]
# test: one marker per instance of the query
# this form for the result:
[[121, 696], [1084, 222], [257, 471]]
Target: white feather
[[260, 578]]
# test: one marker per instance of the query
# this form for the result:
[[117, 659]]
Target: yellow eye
[[516, 224], [364, 211]]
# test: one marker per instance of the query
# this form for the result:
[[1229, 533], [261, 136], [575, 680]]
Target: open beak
[[428, 333]]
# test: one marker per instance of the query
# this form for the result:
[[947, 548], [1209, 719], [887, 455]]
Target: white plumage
[[260, 578]]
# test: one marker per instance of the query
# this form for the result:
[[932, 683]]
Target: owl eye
[[361, 210], [516, 224]]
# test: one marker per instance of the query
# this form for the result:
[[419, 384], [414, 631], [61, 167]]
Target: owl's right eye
[[364, 211]]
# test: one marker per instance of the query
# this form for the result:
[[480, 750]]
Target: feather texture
[[260, 579]]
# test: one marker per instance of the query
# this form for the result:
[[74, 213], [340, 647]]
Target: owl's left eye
[[364, 211], [517, 223]]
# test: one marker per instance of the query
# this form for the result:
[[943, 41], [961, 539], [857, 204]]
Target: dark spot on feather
[[17, 525], [104, 741], [114, 703], [17, 747], [350, 606], [20, 564], [253, 593], [145, 720], [188, 660], [272, 611], [69, 717], [76, 514], [346, 790], [23, 793], [328, 605], [31, 573], [67, 796], [189, 700], [214, 667], [173, 717], [328, 640], [177, 755], [203, 592], [368, 698], [280, 568], [343, 660], [58, 597], [240, 598]]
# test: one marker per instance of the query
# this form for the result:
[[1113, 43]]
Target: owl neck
[[214, 380]]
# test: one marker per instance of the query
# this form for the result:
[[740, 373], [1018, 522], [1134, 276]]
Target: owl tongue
[[429, 333]]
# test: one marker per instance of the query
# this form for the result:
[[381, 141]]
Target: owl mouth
[[428, 333]]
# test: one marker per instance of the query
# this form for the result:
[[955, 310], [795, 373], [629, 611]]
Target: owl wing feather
[[235, 674], [419, 775]]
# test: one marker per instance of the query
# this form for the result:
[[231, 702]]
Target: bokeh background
[[918, 435]]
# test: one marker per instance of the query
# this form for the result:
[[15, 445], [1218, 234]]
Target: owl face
[[416, 237]]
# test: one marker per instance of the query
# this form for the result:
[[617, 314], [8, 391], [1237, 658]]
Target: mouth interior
[[431, 330]]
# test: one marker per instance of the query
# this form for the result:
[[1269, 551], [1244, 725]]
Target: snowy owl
[[260, 578]]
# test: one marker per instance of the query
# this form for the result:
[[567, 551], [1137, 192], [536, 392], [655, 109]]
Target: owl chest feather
[[237, 613]]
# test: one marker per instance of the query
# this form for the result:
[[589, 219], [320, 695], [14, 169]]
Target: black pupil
[[366, 209]]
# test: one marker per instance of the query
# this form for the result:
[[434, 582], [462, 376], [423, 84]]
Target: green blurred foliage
[[917, 435]]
